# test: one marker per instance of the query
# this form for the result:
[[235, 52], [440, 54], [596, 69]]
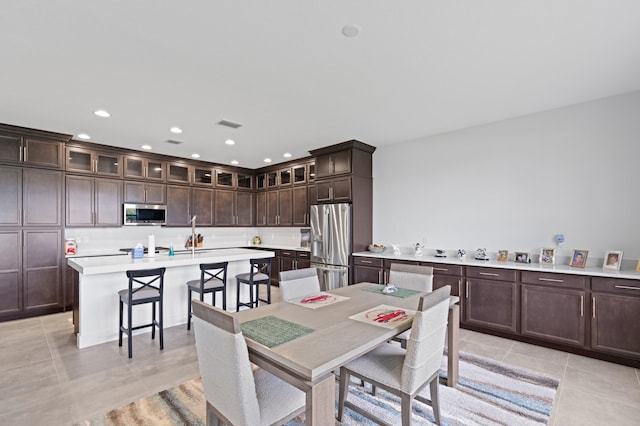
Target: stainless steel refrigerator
[[331, 243]]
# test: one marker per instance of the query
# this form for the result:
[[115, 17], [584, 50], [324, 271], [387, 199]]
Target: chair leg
[[129, 331], [153, 320], [344, 389], [224, 297], [238, 296], [405, 409], [435, 399], [189, 310], [161, 326], [120, 325]]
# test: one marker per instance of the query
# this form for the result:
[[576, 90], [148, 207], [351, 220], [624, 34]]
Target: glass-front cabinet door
[[244, 181], [79, 160], [261, 181], [155, 170], [178, 173], [224, 179], [272, 179], [108, 164], [202, 176], [285, 177], [300, 174]]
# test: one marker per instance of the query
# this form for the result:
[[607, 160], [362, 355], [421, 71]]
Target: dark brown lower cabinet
[[553, 314], [30, 273], [615, 316], [491, 304]]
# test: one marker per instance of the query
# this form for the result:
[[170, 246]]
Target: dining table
[[329, 336]]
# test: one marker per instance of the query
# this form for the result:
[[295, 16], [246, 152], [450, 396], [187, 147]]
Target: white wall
[[515, 184]]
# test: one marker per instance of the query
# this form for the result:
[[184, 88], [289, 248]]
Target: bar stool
[[151, 283], [213, 278], [260, 273]]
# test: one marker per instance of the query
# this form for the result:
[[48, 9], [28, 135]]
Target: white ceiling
[[284, 70]]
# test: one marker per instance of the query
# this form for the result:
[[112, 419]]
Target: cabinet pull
[[440, 269], [331, 192], [24, 153], [490, 274], [459, 286], [467, 290], [581, 305], [627, 287], [553, 280], [593, 306], [380, 277], [366, 261]]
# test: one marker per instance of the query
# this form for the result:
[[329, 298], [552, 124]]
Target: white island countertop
[[536, 267], [109, 264]]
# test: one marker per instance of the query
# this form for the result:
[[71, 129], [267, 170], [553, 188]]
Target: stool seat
[[256, 277], [150, 290], [213, 279]]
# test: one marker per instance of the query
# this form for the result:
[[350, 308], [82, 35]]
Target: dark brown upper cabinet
[[179, 173], [225, 179], [82, 160], [143, 168], [203, 176], [32, 147]]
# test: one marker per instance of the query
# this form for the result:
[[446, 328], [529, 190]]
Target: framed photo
[[579, 258], [503, 255], [547, 256], [522, 257], [612, 260]]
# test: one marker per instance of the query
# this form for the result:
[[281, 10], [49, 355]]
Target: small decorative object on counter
[[440, 253], [257, 240], [461, 253], [70, 246], [389, 288], [375, 248], [612, 260], [522, 257], [137, 252], [547, 256], [199, 241], [171, 250], [481, 254], [418, 249], [396, 249], [579, 258], [503, 255]]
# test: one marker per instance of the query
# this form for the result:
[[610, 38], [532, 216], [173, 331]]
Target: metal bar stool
[[213, 278], [260, 273], [151, 283]]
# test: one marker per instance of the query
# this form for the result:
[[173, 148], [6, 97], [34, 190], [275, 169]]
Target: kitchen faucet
[[193, 236]]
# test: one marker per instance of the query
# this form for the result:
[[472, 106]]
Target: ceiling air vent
[[173, 141], [231, 124]]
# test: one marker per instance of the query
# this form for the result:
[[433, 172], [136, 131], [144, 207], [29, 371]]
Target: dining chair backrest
[[425, 345], [225, 369], [298, 283], [413, 277]]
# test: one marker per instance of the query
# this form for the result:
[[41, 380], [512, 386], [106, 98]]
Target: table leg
[[453, 326], [321, 403]]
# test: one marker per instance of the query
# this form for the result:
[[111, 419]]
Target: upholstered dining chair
[[298, 283], [405, 372], [213, 279], [236, 393]]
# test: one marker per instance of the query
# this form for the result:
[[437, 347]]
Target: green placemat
[[402, 292], [272, 331]]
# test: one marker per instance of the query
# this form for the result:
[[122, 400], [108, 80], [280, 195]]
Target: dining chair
[[213, 279], [259, 273], [405, 372], [236, 393], [150, 290], [298, 283]]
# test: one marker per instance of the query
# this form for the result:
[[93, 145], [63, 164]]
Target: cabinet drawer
[[303, 255], [288, 253], [444, 269], [442, 280], [616, 285], [368, 261], [552, 279], [491, 274], [388, 262]]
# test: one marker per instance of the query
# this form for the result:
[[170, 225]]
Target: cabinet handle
[[581, 305], [490, 274], [593, 306], [459, 286], [380, 277], [386, 277], [553, 280], [440, 269], [467, 290], [627, 287], [366, 261], [331, 192], [24, 155]]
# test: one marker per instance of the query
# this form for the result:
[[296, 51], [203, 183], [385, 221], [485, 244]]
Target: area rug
[[488, 393]]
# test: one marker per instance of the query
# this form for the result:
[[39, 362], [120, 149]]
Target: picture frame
[[579, 258], [503, 255], [547, 256], [612, 260], [522, 257]]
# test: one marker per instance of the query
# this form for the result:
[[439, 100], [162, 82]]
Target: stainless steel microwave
[[144, 214]]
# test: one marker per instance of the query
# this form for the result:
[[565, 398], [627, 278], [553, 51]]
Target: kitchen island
[[101, 277]]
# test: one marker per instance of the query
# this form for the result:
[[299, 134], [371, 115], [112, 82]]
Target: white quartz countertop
[[108, 264], [560, 269], [117, 252]]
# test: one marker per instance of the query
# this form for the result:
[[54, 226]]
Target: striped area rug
[[488, 393]]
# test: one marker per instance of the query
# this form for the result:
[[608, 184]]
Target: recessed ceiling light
[[230, 142], [175, 130], [267, 160], [84, 136], [146, 147], [195, 155], [102, 113], [351, 30], [287, 155], [234, 162]]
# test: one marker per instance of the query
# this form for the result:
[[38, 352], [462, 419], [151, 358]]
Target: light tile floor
[[46, 380]]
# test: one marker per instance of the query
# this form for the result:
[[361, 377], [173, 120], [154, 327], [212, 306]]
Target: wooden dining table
[[309, 362]]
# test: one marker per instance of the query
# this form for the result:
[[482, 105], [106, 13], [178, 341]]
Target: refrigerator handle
[[327, 238]]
